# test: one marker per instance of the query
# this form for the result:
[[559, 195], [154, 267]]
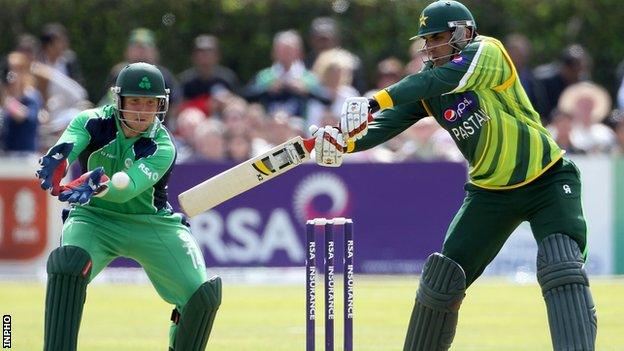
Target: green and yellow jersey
[[477, 97], [99, 141]]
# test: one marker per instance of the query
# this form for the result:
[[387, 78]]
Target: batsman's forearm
[[388, 124], [376, 135], [419, 86]]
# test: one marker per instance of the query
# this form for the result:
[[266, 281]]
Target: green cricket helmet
[[446, 15], [141, 80]]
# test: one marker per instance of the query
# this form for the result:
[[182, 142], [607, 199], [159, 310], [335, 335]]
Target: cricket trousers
[[160, 243], [486, 219]]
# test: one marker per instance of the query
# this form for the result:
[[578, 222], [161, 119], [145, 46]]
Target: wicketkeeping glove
[[54, 167], [81, 190]]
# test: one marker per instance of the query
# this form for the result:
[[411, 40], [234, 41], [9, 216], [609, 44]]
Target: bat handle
[[309, 143]]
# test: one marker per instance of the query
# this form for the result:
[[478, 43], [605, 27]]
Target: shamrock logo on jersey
[[145, 83]]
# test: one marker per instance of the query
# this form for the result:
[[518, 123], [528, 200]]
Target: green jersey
[[99, 141], [477, 97]]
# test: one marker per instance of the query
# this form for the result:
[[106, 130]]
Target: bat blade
[[245, 176]]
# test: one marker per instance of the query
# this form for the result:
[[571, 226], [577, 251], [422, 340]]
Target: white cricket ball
[[120, 180]]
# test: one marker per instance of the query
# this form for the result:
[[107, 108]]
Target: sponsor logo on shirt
[[466, 104], [108, 155], [470, 126], [450, 115], [467, 114], [149, 173]]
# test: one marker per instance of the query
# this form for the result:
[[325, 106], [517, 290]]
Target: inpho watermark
[[6, 331]]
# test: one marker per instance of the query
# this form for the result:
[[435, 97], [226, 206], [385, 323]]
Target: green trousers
[[161, 244], [551, 204]]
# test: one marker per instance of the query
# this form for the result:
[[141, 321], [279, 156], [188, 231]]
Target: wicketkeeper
[[516, 173], [106, 222]]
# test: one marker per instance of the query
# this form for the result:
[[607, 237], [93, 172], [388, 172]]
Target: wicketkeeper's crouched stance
[[106, 222], [517, 173]]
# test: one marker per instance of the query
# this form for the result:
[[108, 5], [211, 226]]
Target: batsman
[[516, 173], [134, 221]]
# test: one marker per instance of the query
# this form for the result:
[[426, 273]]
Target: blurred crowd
[[216, 117]]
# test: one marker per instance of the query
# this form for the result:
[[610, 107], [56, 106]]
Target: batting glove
[[329, 146], [354, 117]]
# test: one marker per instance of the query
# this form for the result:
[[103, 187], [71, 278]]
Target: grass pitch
[[496, 315]]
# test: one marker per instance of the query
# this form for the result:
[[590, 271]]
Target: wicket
[[329, 268]]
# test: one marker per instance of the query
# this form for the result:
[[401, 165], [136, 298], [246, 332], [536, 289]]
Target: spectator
[[620, 95], [235, 117], [280, 127], [324, 35], [287, 85], [58, 79], [256, 121], [188, 121], [389, 71], [561, 129], [142, 48], [618, 127], [334, 69], [588, 104], [238, 147], [56, 51], [29, 45], [206, 76], [209, 141], [519, 49], [426, 141], [18, 109], [551, 79]]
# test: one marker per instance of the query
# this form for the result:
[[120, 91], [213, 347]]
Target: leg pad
[[565, 287], [198, 315], [434, 317], [69, 269]]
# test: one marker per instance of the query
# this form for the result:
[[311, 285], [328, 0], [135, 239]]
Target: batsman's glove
[[355, 115], [329, 145]]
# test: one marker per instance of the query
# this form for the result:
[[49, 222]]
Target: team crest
[[458, 59], [145, 83]]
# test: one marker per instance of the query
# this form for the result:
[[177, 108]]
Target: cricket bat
[[245, 176]]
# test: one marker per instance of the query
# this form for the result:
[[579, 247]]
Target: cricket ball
[[120, 180]]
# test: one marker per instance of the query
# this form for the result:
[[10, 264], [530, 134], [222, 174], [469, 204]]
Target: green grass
[[496, 315]]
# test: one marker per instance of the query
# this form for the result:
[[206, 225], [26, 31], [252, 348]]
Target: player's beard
[[441, 58], [438, 58], [453, 47]]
